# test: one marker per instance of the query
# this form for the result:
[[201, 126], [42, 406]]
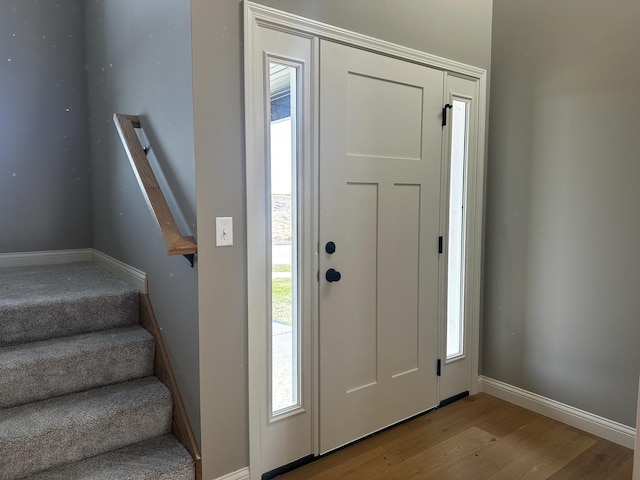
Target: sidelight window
[[284, 321], [456, 245]]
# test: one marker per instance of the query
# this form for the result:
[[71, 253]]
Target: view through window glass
[[284, 248], [456, 243]]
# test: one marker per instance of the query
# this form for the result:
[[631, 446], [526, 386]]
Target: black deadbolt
[[332, 275], [330, 248]]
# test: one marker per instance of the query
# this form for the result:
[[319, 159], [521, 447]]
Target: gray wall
[[459, 29], [562, 304], [44, 151], [139, 62]]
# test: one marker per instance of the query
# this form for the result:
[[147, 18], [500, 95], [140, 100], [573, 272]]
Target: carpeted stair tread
[[161, 458], [48, 301], [42, 435], [40, 370]]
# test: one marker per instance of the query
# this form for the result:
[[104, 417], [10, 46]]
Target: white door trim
[[263, 16], [259, 16]]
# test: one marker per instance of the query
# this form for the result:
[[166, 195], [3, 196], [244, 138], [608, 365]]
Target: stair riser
[[39, 371], [42, 435]]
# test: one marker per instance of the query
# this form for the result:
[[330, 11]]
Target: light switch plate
[[224, 231]]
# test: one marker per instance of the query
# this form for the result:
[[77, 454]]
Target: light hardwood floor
[[477, 438]]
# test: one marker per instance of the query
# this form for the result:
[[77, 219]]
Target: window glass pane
[[284, 249], [455, 277]]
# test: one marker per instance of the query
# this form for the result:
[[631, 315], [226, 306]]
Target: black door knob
[[332, 275], [330, 248]]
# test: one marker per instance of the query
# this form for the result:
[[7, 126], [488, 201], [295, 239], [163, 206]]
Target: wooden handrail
[[176, 243]]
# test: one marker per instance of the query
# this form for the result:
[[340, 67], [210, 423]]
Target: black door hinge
[[444, 113], [440, 244], [439, 368]]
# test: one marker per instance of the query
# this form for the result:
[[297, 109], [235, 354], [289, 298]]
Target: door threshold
[[288, 467], [455, 398]]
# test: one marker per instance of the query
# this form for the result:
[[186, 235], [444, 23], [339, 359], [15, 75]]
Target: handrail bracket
[[190, 258]]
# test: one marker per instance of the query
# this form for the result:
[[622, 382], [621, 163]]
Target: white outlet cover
[[224, 231]]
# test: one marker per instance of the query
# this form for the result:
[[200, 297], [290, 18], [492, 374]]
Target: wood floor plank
[[444, 423], [507, 419], [623, 472], [441, 455], [555, 449], [599, 462], [477, 438], [497, 455], [373, 460], [363, 447]]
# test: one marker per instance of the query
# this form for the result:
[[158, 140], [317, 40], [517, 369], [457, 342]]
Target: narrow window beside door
[[456, 247], [284, 321]]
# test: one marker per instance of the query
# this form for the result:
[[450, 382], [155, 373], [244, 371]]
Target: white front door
[[350, 303], [379, 221]]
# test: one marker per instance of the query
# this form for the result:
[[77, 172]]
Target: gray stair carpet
[[161, 458], [77, 395], [40, 370], [38, 303]]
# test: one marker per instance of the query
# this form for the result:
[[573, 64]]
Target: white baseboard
[[242, 474], [125, 272], [117, 268], [594, 424], [47, 257]]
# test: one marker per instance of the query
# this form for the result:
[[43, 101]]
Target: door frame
[[258, 17]]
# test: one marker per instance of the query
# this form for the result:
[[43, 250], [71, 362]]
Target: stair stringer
[[180, 425]]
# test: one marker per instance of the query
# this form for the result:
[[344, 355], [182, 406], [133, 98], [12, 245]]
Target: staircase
[[78, 398]]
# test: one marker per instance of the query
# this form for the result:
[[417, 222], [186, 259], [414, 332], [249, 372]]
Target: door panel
[[380, 176], [361, 330], [391, 126], [402, 337]]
